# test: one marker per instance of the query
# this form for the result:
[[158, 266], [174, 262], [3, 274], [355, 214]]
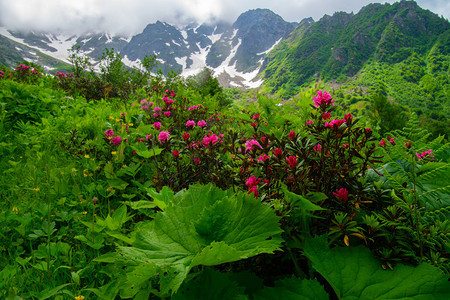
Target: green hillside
[[399, 51]]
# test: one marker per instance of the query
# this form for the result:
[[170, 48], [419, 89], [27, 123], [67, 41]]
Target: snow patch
[[198, 62], [234, 34], [181, 61], [270, 49], [215, 37], [173, 41], [132, 63], [184, 34]]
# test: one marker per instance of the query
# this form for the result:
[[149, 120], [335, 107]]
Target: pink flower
[[156, 115], [201, 123], [116, 140], [197, 161], [368, 130], [163, 136], [143, 101], [250, 143], [348, 117], [342, 194], [254, 125], [322, 99], [190, 123], [292, 135], [256, 116], [254, 190], [382, 143], [317, 148], [292, 161], [148, 136], [167, 114], [157, 109], [176, 153], [408, 145], [425, 154], [109, 133], [278, 152], [326, 116], [266, 181], [392, 140], [210, 139], [186, 136], [193, 107], [309, 122], [157, 125], [263, 158], [252, 181]]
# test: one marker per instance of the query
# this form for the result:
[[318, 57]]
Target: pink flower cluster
[[250, 143], [62, 75], [163, 137], [115, 140], [168, 101], [342, 194], [210, 139], [425, 154], [157, 125], [194, 107], [323, 99], [2, 74], [337, 122], [252, 184], [109, 133], [145, 104], [292, 161]]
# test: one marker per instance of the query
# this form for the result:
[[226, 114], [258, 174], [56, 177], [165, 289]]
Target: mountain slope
[[341, 44]]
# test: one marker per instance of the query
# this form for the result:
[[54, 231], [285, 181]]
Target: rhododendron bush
[[164, 194]]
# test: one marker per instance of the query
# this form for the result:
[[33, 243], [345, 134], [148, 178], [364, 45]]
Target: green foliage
[[99, 204], [354, 274], [204, 226]]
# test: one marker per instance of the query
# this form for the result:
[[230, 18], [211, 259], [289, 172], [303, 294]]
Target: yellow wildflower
[[130, 124], [84, 212], [15, 210], [86, 156], [85, 175], [117, 120], [113, 152], [111, 117], [36, 189], [81, 297]]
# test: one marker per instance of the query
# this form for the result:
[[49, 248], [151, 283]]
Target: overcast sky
[[131, 16]]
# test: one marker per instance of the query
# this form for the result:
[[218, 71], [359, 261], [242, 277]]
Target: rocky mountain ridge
[[235, 52]]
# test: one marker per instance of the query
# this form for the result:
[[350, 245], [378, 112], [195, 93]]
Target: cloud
[[131, 16]]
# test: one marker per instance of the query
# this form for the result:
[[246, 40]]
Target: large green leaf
[[205, 226], [293, 289], [354, 273], [211, 285]]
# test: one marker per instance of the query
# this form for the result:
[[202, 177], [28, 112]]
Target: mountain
[[235, 52], [338, 46]]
